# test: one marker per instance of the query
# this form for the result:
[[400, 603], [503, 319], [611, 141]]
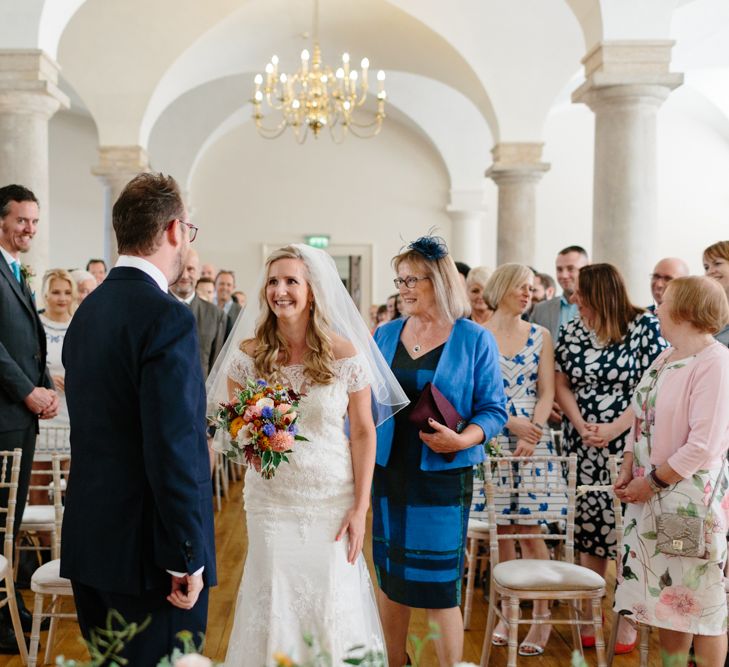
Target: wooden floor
[[231, 545]]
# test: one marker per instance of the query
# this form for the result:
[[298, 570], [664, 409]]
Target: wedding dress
[[297, 582]]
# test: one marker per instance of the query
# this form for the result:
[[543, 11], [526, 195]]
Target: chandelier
[[316, 97]]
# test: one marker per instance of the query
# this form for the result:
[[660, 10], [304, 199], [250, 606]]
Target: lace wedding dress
[[297, 581]]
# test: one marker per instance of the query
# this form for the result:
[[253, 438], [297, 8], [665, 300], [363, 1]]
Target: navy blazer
[[22, 351], [139, 498], [468, 375]]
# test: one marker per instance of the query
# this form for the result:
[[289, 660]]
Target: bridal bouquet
[[261, 421]]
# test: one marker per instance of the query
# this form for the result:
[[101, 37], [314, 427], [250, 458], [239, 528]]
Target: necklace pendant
[[416, 348]]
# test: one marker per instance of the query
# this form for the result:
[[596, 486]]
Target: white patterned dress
[[520, 373], [297, 580]]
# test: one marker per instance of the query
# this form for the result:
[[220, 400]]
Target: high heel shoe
[[498, 638], [527, 648], [589, 640]]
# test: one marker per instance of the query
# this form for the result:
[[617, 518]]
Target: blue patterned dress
[[520, 373]]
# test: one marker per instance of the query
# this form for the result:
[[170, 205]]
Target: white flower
[[465, 664], [193, 660], [265, 403]]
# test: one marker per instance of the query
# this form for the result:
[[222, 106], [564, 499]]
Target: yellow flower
[[235, 426], [282, 660]]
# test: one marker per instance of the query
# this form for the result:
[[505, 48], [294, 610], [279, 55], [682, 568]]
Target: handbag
[[677, 534], [432, 404]]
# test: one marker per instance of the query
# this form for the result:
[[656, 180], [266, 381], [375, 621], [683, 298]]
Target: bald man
[[664, 272]]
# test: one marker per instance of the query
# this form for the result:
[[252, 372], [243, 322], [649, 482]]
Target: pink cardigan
[[692, 413]]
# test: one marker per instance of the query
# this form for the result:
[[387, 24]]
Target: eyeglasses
[[191, 227], [409, 282], [655, 277]]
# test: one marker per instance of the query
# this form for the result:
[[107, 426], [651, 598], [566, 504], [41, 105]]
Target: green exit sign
[[318, 241]]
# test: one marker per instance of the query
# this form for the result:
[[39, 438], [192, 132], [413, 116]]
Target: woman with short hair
[[475, 284], [423, 479], [674, 462], [600, 357]]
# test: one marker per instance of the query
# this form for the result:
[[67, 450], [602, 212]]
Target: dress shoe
[[8, 643], [622, 649], [26, 618]]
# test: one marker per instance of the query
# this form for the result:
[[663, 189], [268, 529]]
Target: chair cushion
[[3, 566], [546, 575], [38, 514], [478, 526], [47, 579]]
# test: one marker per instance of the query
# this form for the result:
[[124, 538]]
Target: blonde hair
[[60, 274], [478, 275], [718, 250], [506, 278], [700, 301], [450, 297], [271, 351]]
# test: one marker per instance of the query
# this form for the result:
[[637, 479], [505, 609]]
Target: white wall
[[77, 197], [385, 191]]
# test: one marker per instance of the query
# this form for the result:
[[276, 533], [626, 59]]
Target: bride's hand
[[354, 525]]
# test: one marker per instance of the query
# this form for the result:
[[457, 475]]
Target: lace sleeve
[[354, 374], [241, 368]]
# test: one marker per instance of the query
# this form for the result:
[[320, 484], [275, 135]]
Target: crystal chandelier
[[315, 97]]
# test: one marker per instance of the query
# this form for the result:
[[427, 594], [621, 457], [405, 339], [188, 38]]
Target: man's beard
[[179, 266]]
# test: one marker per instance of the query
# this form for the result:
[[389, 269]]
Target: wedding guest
[[205, 289], [240, 298], [224, 288], [463, 271], [97, 268], [555, 313], [600, 358], [475, 284], [85, 284], [423, 480], [60, 298], [208, 271], [664, 272], [382, 315], [544, 288], [526, 357], [716, 265], [28, 392], [392, 311], [674, 459]]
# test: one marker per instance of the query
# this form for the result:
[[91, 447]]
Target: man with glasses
[[138, 533], [664, 272]]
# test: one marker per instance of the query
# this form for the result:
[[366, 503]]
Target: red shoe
[[622, 649], [589, 641]]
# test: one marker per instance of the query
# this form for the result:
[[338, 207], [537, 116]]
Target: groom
[[138, 532]]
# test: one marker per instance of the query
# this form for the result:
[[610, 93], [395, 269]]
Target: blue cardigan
[[468, 375]]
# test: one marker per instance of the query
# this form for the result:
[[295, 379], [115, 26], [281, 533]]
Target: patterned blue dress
[[520, 373]]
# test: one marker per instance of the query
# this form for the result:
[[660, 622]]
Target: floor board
[[231, 543]]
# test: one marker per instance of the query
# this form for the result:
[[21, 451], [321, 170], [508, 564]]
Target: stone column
[[467, 214], [625, 84], [516, 170], [117, 166], [29, 96]]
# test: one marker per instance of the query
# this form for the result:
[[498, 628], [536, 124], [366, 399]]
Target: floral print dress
[[674, 592]]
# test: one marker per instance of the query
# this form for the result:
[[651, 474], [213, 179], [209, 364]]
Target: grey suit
[[547, 315], [212, 325], [22, 368], [233, 313]]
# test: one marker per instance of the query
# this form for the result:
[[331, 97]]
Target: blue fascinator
[[430, 247]]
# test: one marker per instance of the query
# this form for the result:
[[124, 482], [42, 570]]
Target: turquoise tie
[[16, 269]]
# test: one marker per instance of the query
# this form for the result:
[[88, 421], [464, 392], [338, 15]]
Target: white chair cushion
[[47, 579], [38, 514], [478, 526], [3, 566], [546, 575]]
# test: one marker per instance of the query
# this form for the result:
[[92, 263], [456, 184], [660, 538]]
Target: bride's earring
[[311, 306]]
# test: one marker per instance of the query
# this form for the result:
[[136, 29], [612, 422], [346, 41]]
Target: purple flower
[[293, 429], [267, 413], [261, 383], [269, 429]]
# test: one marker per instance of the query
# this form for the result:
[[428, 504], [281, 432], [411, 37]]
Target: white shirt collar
[[8, 257], [142, 264], [187, 300]]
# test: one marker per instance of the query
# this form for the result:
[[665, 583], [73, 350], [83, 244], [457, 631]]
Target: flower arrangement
[[261, 421]]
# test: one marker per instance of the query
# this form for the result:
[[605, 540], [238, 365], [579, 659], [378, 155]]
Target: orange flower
[[282, 660], [236, 425]]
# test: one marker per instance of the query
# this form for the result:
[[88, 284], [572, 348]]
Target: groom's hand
[[185, 590]]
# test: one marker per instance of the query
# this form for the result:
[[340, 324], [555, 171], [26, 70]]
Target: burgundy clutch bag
[[432, 404]]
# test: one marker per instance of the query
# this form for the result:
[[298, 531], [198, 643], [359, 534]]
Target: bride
[[305, 576]]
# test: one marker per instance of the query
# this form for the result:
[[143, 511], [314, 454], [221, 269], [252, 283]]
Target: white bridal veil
[[344, 319]]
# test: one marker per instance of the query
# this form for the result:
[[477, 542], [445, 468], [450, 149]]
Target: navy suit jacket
[[139, 499]]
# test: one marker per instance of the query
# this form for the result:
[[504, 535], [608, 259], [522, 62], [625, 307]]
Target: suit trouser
[[159, 638], [25, 440]]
